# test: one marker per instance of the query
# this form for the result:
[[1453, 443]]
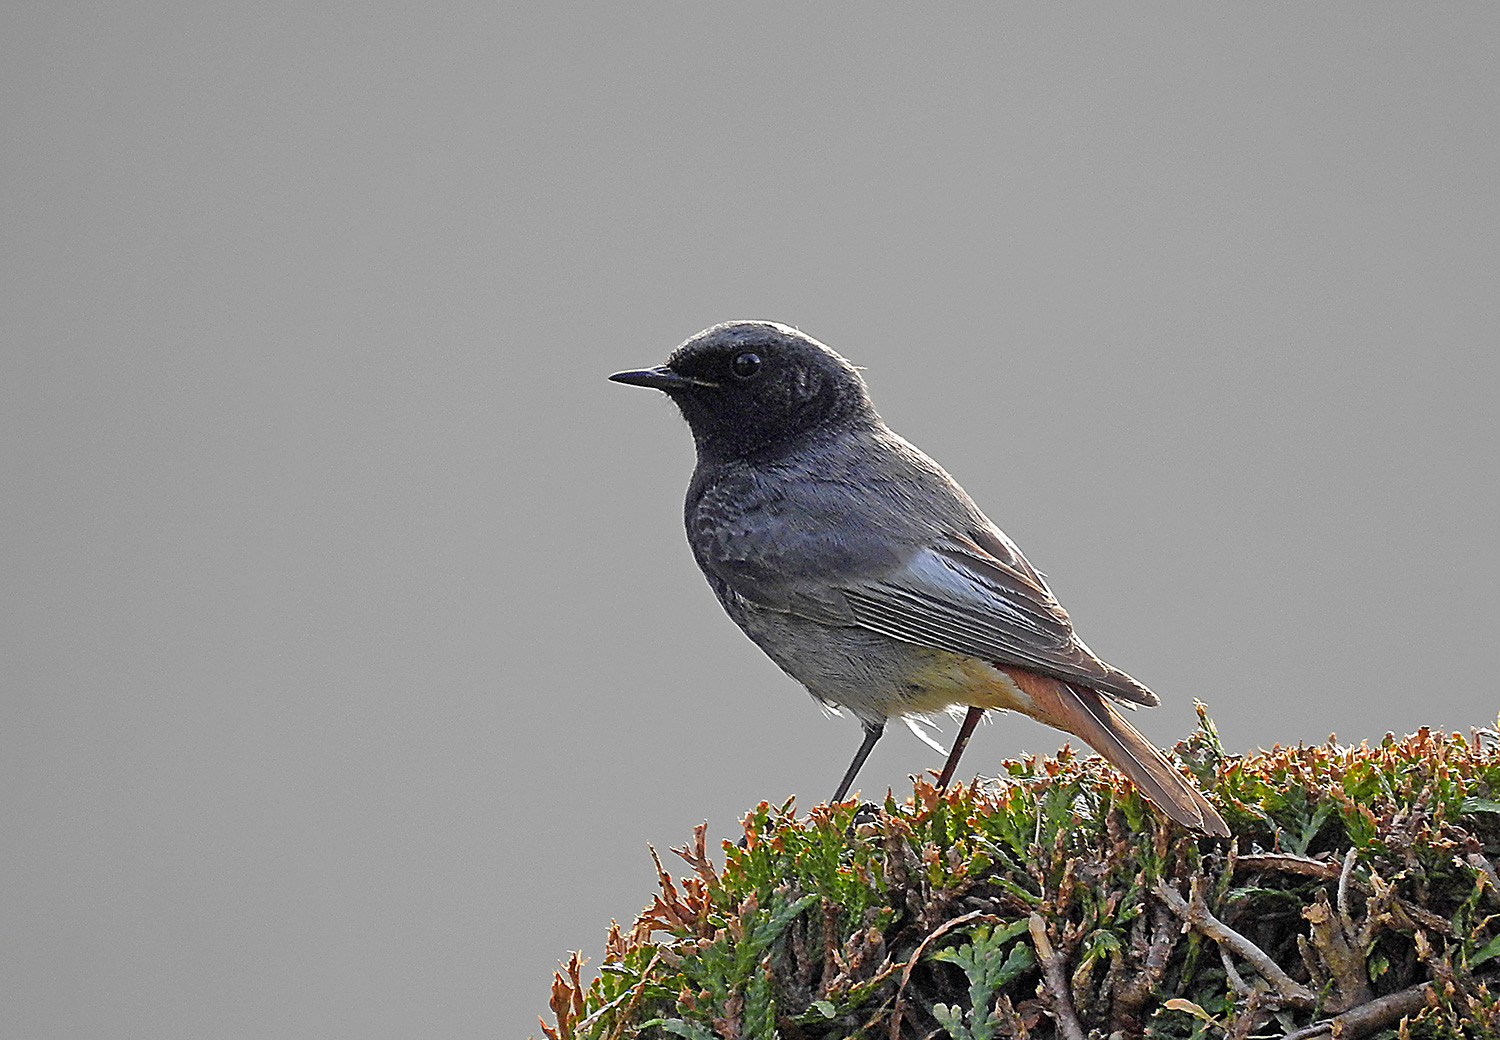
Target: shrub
[[1357, 898]]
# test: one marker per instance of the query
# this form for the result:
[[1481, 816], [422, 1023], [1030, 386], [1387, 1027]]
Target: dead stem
[[1053, 971], [1197, 916], [900, 1006], [1349, 858], [1478, 861], [1333, 936], [1286, 861], [1369, 1016]]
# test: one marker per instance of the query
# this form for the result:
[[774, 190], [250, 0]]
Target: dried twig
[[1152, 953], [911, 962], [1333, 938], [1479, 862], [1369, 1016], [1242, 989], [697, 855], [1425, 918], [1196, 914], [1288, 863], [1056, 978], [1349, 858]]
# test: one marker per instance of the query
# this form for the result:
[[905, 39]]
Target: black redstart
[[867, 573]]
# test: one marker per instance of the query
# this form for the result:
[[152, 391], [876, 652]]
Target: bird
[[863, 570]]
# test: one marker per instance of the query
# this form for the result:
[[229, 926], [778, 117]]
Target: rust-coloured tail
[[1084, 713]]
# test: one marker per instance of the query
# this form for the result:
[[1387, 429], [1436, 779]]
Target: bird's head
[[755, 388]]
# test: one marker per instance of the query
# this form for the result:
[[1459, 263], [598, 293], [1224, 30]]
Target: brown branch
[[1425, 918], [1381, 1012], [1485, 867], [1343, 891], [1154, 951], [1056, 978], [1369, 1016], [1196, 914], [1332, 937], [1242, 989], [1288, 863]]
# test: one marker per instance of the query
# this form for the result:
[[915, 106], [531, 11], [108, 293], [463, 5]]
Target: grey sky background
[[351, 649]]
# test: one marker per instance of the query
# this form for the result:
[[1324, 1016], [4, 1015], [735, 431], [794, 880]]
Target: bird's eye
[[745, 365]]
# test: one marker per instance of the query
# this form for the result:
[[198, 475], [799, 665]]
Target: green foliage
[[989, 962], [1356, 877], [732, 975]]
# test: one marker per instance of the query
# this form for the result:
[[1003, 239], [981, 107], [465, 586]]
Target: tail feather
[[1084, 713]]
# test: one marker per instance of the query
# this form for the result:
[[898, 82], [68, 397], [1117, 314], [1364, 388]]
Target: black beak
[[661, 378]]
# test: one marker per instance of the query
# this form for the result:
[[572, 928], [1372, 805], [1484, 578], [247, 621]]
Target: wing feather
[[958, 598]]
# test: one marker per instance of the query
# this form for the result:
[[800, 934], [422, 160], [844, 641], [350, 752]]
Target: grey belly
[[873, 676]]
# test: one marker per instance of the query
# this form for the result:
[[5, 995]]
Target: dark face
[[754, 388]]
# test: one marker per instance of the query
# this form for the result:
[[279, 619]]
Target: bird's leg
[[872, 734], [964, 732]]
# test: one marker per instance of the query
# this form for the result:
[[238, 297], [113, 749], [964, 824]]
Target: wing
[[957, 596], [926, 568]]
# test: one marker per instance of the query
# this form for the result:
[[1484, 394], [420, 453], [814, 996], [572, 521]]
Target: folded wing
[[957, 596]]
